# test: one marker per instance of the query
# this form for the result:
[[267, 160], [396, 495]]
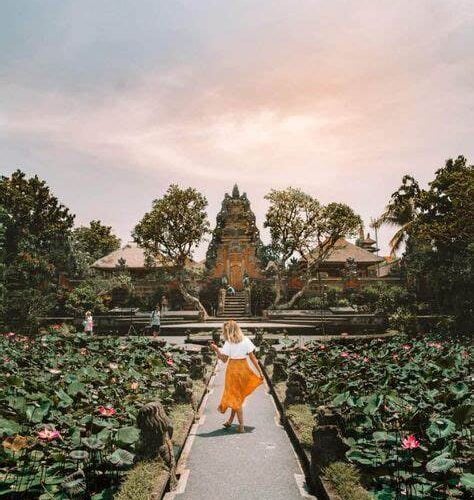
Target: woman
[[240, 380]]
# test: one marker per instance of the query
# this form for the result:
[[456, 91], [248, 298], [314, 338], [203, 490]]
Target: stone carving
[[221, 300], [156, 432], [183, 389], [216, 337], [196, 370], [295, 388], [235, 244], [206, 355], [270, 356], [258, 339], [328, 447], [279, 369]]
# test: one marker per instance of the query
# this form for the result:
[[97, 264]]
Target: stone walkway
[[223, 464]]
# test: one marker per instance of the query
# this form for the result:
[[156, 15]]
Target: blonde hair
[[232, 332], [88, 313]]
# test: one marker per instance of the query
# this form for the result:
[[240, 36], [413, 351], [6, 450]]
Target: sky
[[111, 101]]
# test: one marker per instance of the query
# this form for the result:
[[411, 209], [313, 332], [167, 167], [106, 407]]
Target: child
[[88, 323], [155, 321]]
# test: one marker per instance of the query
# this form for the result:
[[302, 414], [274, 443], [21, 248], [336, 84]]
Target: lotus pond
[[404, 408], [67, 410]]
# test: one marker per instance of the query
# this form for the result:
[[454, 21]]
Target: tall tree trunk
[[297, 295], [190, 299]]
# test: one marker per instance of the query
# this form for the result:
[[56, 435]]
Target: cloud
[[341, 98]]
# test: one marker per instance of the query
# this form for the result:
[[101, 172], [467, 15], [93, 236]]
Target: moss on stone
[[345, 479], [303, 423]]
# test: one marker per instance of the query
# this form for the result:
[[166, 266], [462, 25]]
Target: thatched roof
[[344, 249], [133, 257]]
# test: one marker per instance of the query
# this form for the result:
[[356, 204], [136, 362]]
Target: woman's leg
[[231, 419], [240, 418]]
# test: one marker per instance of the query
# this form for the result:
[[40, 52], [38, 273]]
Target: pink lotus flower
[[322, 347], [106, 411], [6, 359], [366, 359], [10, 334], [134, 386], [113, 366], [83, 351], [395, 356], [410, 442], [170, 362], [49, 434], [344, 334], [54, 371], [436, 345], [406, 347], [345, 355]]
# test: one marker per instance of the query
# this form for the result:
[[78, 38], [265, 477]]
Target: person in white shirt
[[88, 323], [155, 321], [240, 379]]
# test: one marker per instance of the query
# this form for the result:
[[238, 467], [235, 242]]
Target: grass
[[144, 479], [345, 479], [303, 423], [181, 415]]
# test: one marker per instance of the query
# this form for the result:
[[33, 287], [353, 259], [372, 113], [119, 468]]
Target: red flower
[[106, 411], [406, 347], [410, 442], [345, 355], [170, 362], [366, 359]]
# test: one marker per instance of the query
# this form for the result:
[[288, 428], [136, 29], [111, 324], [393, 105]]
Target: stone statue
[[196, 370], [295, 388], [279, 369], [156, 432], [183, 389], [221, 300]]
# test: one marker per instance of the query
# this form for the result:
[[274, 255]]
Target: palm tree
[[401, 212]]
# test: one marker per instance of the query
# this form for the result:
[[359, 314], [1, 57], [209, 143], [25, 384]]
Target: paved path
[[222, 464]]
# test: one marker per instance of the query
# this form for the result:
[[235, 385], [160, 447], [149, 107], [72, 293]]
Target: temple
[[233, 251]]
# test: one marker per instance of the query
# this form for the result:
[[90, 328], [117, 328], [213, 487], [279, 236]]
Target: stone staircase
[[234, 306]]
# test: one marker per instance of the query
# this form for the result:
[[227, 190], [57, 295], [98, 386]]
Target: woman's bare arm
[[222, 357], [254, 360]]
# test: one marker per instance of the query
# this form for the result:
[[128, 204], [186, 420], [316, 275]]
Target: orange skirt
[[240, 381]]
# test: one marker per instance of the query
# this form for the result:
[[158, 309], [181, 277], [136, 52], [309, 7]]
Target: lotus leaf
[[441, 463], [440, 428], [121, 458]]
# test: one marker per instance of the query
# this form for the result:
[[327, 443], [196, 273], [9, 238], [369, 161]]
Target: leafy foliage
[[303, 233], [172, 229], [36, 228], [438, 228], [59, 436], [382, 392]]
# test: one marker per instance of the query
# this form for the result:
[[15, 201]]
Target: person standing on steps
[[155, 321], [240, 380], [88, 323]]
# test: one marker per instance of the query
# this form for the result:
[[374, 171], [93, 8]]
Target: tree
[[172, 229], [96, 239], [36, 232], [401, 211], [303, 233], [439, 235]]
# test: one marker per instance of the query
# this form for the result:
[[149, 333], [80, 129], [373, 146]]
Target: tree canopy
[[438, 229], [303, 232], [173, 228], [96, 239], [36, 230]]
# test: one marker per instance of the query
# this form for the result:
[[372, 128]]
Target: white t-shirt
[[238, 351]]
